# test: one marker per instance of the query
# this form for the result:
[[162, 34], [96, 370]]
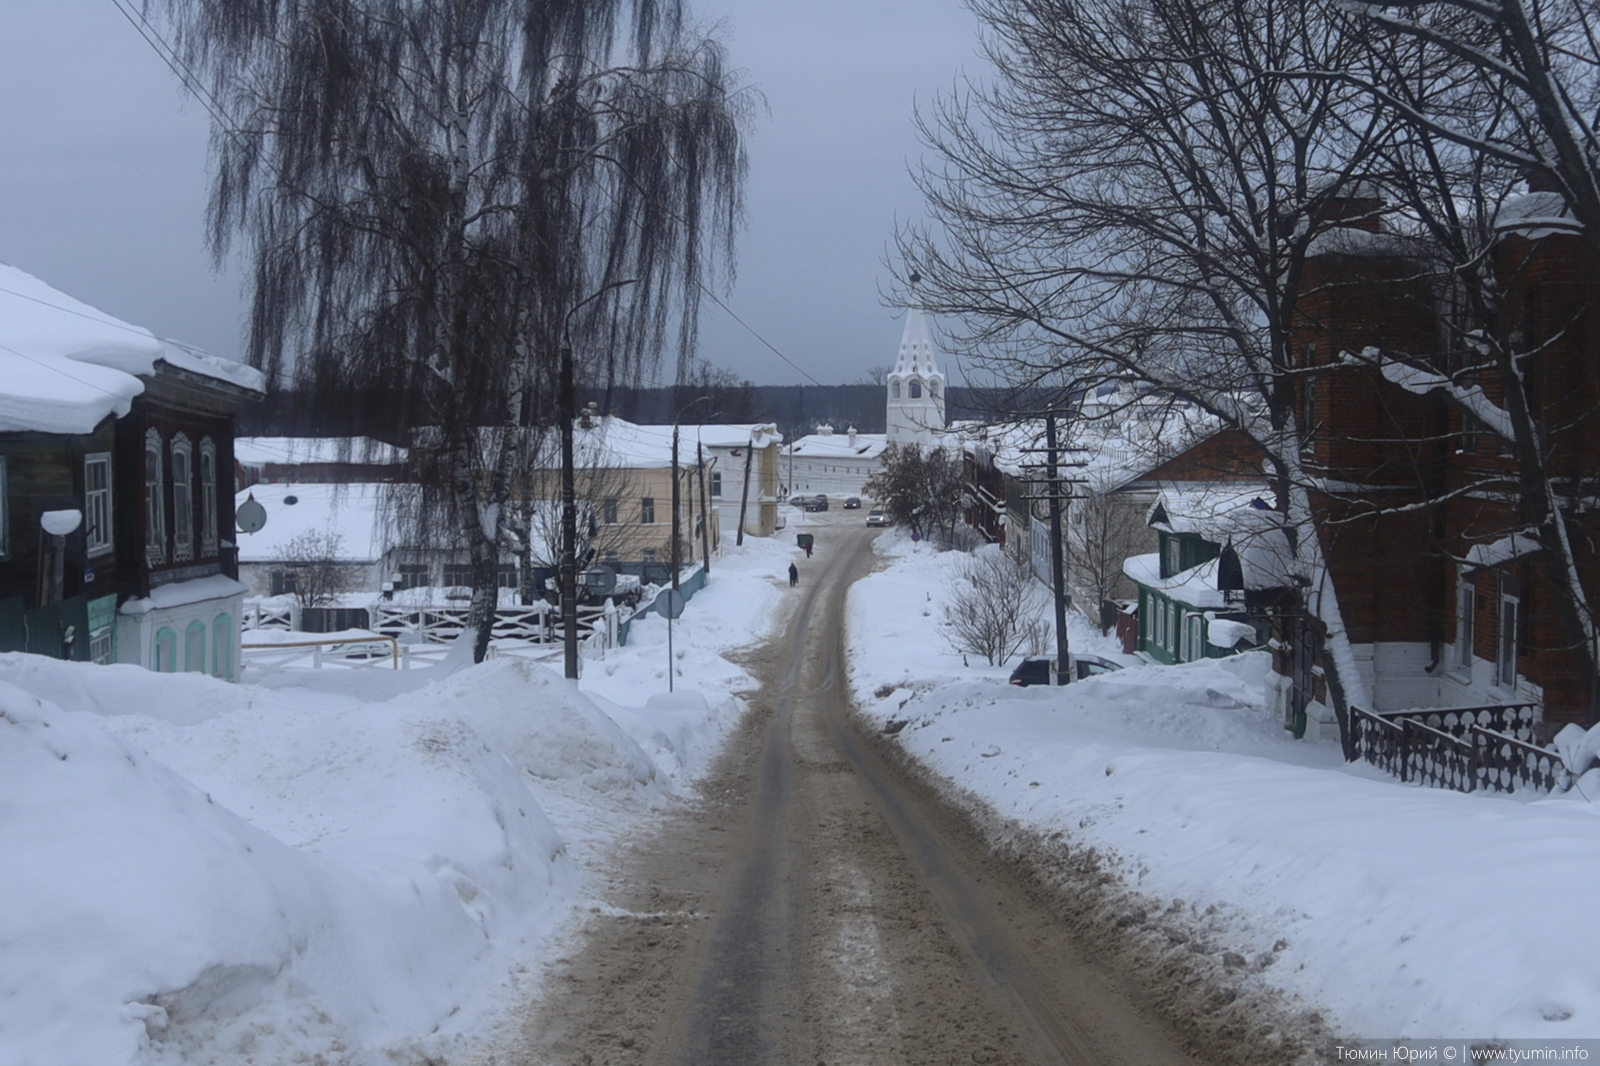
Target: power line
[[214, 107], [88, 384], [136, 330], [175, 63], [756, 335]]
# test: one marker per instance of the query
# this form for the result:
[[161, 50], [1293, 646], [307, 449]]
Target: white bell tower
[[915, 385]]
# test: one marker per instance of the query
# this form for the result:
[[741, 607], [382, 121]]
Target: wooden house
[[116, 460]]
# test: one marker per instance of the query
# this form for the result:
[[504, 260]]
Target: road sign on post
[[670, 603]]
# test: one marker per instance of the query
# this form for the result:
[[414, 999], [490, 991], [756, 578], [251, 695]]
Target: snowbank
[[339, 866], [1394, 909]]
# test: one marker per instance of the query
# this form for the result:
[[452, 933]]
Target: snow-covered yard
[[1394, 909], [329, 866]]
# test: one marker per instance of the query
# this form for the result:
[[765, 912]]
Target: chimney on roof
[[1355, 205], [1541, 180], [852, 432]]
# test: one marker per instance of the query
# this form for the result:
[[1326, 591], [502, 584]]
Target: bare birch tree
[[1135, 196], [436, 196]]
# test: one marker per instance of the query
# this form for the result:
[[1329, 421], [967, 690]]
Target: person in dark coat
[[808, 549], [794, 575]]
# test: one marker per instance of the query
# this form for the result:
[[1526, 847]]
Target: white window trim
[[182, 499], [155, 510], [208, 497], [1506, 638], [1466, 621], [97, 517]]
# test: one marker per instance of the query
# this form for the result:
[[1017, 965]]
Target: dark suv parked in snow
[[1032, 672]]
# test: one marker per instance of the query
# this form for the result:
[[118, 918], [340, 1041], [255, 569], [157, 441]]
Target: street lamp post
[[568, 404], [677, 532]]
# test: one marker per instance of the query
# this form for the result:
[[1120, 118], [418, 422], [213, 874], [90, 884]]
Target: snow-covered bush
[[996, 607]]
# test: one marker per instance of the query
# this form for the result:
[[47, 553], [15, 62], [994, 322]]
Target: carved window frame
[[208, 497], [155, 499], [182, 459]]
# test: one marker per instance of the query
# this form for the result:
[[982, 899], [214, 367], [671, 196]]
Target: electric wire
[[215, 109]]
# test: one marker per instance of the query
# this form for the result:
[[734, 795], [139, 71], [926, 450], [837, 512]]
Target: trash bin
[[804, 540]]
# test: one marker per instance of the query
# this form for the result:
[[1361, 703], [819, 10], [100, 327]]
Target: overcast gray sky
[[103, 173]]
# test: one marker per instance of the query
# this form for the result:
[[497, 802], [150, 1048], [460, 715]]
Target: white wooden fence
[[419, 628]]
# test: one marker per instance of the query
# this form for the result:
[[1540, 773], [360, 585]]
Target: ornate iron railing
[[1455, 748]]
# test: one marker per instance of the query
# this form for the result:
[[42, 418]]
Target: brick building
[[1445, 605]]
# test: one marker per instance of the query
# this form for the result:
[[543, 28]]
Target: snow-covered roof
[[1226, 633], [184, 593], [838, 446], [615, 442], [256, 451], [1215, 510], [351, 511], [1230, 513], [1535, 215], [734, 435], [1118, 434], [1196, 586], [66, 365], [1503, 550], [1353, 240]]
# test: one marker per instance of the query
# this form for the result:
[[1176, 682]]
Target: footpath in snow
[[1392, 910], [329, 866]]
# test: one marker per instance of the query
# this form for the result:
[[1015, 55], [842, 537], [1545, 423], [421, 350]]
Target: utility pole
[[1055, 494], [1057, 577], [568, 404], [705, 507], [744, 497], [569, 522], [677, 527]]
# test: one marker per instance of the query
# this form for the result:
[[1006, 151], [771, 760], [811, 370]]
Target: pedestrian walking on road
[[808, 549], [794, 575]]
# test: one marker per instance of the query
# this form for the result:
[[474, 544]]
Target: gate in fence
[[1462, 748]]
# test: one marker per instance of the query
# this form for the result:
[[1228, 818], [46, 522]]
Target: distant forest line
[[797, 409]]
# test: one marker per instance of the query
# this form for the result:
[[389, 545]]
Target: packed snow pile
[[336, 866], [206, 863], [1393, 909]]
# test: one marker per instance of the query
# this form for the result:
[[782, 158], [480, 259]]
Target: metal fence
[[1462, 748]]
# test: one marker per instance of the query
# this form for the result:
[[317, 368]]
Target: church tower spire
[[915, 386]]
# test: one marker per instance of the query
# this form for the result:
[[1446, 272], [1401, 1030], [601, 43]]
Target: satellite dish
[[60, 523], [600, 580], [250, 516], [670, 603]]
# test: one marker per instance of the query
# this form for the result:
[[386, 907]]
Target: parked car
[[1088, 665], [1033, 672], [852, 503], [876, 517], [817, 503], [798, 501]]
